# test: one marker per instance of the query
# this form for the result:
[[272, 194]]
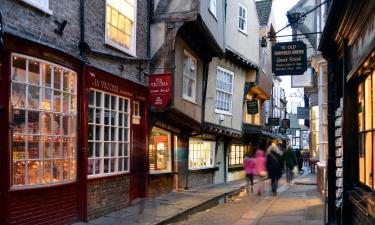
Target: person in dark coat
[[290, 160], [299, 159], [274, 164]]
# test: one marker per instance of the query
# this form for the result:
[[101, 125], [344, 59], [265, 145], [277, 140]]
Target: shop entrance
[[219, 175]]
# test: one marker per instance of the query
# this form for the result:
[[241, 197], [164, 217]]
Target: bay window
[[160, 151], [44, 122], [120, 24], [224, 90], [108, 134], [201, 154]]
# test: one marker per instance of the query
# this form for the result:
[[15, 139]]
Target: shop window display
[[201, 154], [237, 154], [108, 134], [160, 151], [44, 133]]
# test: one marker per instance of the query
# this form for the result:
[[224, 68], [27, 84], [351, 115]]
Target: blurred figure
[[250, 169], [290, 160], [274, 164], [261, 172], [298, 154]]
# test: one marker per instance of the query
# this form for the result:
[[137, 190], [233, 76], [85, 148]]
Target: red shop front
[[117, 142], [72, 138]]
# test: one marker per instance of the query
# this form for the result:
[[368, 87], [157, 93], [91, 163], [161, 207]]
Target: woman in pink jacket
[[250, 170], [261, 172]]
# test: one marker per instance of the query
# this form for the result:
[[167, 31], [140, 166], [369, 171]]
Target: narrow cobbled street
[[298, 203]]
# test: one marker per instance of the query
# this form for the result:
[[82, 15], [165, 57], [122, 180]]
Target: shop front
[[236, 155], [117, 128], [39, 118]]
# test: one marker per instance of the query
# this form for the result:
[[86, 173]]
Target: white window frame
[[42, 5], [192, 153], [116, 141], [238, 159], [220, 111], [71, 112], [133, 36], [194, 88], [212, 7], [242, 18]]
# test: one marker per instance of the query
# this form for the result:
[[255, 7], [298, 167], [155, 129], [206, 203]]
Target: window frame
[[43, 7], [220, 111], [240, 5], [212, 7], [169, 166], [239, 159], [117, 141], [133, 35], [212, 153], [71, 113], [194, 87]]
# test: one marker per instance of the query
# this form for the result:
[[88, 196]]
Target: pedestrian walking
[[298, 154], [274, 164], [250, 169], [260, 163], [290, 160]]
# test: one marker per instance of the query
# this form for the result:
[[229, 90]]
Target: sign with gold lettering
[[160, 91], [109, 86], [289, 58]]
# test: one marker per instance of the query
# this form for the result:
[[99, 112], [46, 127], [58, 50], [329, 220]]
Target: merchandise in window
[[366, 126], [189, 77], [43, 102], [160, 151], [224, 90], [242, 25], [201, 154], [108, 134], [120, 24], [237, 154]]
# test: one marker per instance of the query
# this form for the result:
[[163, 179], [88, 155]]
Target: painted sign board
[[273, 121], [302, 112], [252, 107], [160, 91], [289, 58]]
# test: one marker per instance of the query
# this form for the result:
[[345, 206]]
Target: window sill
[[206, 169], [235, 168], [103, 176], [162, 173], [37, 6], [242, 31], [40, 186], [116, 46], [218, 111], [189, 99]]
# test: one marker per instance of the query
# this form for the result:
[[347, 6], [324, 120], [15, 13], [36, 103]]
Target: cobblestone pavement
[[296, 204]]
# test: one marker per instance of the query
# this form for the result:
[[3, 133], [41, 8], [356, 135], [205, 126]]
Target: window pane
[[368, 158], [19, 69], [34, 71], [18, 95]]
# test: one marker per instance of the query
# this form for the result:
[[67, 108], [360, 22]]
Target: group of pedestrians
[[272, 165]]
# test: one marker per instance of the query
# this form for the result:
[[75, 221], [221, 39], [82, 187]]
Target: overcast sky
[[280, 8]]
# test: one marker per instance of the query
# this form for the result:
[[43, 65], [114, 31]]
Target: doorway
[[220, 163]]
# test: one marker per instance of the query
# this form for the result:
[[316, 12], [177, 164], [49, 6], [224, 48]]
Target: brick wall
[[31, 23], [159, 185], [106, 195], [200, 178]]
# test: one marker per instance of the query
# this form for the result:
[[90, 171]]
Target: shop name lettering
[[109, 87], [163, 86], [289, 58]]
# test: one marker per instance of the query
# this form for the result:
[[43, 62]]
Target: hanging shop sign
[[302, 112], [285, 123], [273, 121], [289, 58], [252, 107], [160, 87]]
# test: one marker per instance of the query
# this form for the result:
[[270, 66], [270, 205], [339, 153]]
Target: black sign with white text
[[289, 58]]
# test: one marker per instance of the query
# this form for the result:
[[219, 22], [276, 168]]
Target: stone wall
[[200, 178], [159, 185], [106, 195]]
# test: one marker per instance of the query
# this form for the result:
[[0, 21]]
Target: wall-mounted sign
[[273, 121], [160, 87], [302, 112], [285, 123], [289, 58], [252, 107]]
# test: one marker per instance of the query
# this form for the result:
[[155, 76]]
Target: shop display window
[[366, 128], [201, 154], [237, 154], [160, 151], [43, 146], [108, 134]]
